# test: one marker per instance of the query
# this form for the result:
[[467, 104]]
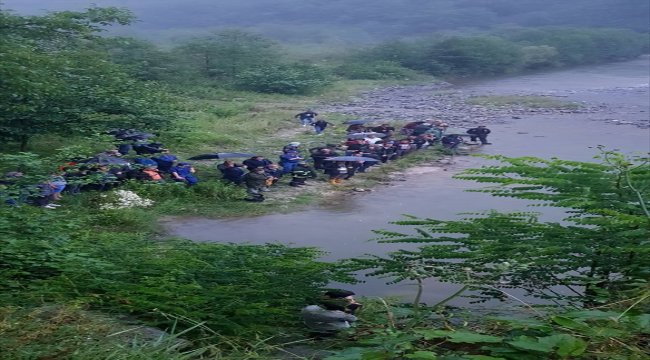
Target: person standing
[[301, 173], [289, 159], [479, 132], [256, 161], [255, 182], [306, 117]]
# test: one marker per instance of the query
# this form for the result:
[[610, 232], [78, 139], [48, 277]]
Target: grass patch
[[529, 101]]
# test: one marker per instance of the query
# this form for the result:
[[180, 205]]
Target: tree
[[222, 56], [140, 58], [600, 248], [51, 85]]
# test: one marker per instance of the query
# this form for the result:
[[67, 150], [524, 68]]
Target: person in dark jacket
[[148, 148], [255, 181], [386, 152], [320, 125], [301, 173], [256, 161], [231, 172], [384, 129], [319, 156], [451, 141], [273, 172], [306, 117], [479, 132]]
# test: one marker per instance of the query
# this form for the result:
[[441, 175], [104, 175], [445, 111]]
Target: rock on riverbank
[[445, 102]]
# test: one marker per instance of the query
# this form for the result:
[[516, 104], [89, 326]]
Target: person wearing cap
[[290, 157], [480, 132], [292, 146], [306, 117], [334, 313], [183, 172], [301, 173]]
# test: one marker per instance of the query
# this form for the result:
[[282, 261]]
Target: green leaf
[[572, 324], [530, 343], [432, 334], [473, 338], [565, 344], [459, 336], [422, 355], [353, 353], [641, 322]]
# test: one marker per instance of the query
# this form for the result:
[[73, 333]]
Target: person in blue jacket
[[184, 172]]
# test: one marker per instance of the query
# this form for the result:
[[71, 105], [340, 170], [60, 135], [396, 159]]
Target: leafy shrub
[[376, 70], [283, 79], [583, 334], [478, 55], [584, 46], [541, 56], [234, 288]]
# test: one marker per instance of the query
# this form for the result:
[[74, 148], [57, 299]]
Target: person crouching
[[334, 313]]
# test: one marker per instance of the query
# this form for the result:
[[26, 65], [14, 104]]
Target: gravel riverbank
[[452, 104]]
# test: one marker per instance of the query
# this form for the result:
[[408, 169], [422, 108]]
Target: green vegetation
[[82, 268], [529, 101], [593, 268]]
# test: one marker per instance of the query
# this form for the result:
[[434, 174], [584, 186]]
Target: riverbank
[[343, 226], [462, 107]]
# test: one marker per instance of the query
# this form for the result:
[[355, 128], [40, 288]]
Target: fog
[[352, 21]]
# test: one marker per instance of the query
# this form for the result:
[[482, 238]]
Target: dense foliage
[[233, 288], [595, 254], [58, 77], [509, 51], [52, 85]]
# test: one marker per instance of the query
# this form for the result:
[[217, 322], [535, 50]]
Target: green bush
[[283, 79], [584, 46], [478, 55], [374, 70], [63, 256]]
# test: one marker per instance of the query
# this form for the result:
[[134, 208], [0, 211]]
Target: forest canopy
[[356, 21]]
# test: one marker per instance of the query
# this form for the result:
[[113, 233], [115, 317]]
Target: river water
[[344, 229]]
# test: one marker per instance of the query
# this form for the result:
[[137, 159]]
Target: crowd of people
[[135, 157], [365, 146]]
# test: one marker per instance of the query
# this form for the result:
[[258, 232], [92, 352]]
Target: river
[[344, 229]]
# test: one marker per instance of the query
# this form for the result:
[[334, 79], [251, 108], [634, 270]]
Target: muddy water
[[344, 229]]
